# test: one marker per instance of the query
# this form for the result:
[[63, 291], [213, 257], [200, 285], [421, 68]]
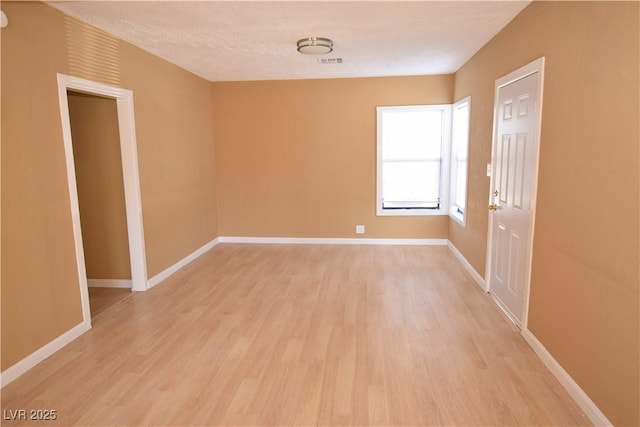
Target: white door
[[512, 202]]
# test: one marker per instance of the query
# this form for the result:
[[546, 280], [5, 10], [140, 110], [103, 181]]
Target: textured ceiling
[[256, 40]]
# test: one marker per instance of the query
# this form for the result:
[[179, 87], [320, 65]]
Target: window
[[459, 155], [413, 160]]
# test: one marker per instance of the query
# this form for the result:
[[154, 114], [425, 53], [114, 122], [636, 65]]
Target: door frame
[[533, 67], [130, 173]]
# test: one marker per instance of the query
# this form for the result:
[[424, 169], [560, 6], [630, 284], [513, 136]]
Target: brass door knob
[[493, 207]]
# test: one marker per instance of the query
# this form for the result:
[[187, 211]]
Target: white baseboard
[[13, 372], [178, 265], [472, 271], [109, 283], [581, 398], [330, 241], [586, 404], [47, 350]]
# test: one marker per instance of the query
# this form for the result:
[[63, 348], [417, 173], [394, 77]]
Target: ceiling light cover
[[315, 45]]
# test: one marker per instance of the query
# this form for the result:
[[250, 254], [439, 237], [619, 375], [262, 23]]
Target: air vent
[[329, 61]]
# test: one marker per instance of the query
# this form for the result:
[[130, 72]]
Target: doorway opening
[[78, 96], [96, 153]]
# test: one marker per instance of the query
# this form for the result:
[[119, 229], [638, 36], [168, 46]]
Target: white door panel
[[514, 159]]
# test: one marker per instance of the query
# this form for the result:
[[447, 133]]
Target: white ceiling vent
[[327, 61]]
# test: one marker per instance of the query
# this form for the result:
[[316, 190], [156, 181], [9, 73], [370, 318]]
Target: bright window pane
[[461, 185], [411, 184], [412, 135], [459, 154]]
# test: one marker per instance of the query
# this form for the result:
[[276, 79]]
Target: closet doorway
[[103, 219], [102, 170]]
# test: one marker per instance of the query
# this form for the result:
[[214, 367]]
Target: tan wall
[[40, 291], [584, 290], [298, 158], [96, 152]]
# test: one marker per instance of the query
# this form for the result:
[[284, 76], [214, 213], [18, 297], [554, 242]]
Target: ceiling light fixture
[[315, 45]]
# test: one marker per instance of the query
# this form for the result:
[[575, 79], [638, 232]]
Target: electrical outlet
[[359, 229]]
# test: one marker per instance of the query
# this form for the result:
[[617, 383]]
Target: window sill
[[410, 212], [459, 218]]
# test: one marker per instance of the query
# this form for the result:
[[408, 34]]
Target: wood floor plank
[[301, 335], [101, 299]]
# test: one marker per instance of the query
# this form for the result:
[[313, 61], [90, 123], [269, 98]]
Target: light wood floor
[[101, 299], [301, 335]]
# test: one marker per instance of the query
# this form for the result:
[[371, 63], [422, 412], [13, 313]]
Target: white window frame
[[460, 218], [445, 161]]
